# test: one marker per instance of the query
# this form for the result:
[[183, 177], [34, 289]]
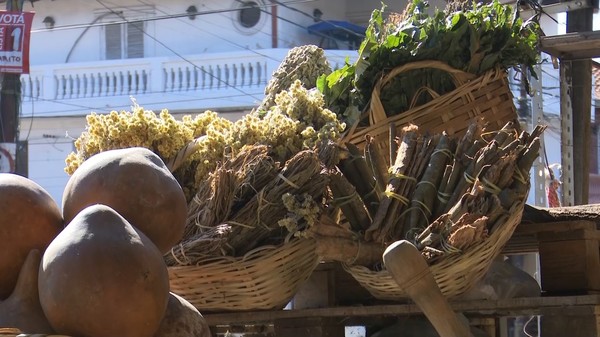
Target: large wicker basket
[[455, 274], [487, 97], [265, 278]]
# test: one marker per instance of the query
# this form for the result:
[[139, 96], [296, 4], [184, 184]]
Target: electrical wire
[[175, 52], [316, 18], [224, 39], [115, 107], [156, 18], [291, 21], [31, 121]]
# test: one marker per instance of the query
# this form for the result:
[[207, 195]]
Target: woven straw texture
[[266, 278], [455, 274], [487, 97]]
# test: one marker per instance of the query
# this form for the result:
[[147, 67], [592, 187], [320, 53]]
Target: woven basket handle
[[418, 94], [377, 113]]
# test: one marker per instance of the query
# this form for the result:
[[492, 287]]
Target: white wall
[[168, 37], [213, 30]]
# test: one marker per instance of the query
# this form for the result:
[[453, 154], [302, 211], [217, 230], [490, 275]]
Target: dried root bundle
[[443, 194], [251, 200]]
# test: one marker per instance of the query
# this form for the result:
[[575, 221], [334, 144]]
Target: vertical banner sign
[[15, 30]]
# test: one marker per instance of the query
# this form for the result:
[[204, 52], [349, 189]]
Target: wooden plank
[[576, 234], [558, 226], [569, 262], [506, 307], [312, 326], [572, 46], [571, 323], [526, 236]]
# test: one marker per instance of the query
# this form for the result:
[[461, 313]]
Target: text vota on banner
[[15, 30]]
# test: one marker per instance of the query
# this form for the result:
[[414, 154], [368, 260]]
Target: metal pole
[[10, 101], [537, 117], [566, 134], [581, 100]]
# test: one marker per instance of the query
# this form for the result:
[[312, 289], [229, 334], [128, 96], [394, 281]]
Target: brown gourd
[[22, 309], [182, 319], [102, 277], [136, 183], [29, 219]]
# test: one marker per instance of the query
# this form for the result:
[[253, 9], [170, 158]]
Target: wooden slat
[[572, 46], [525, 238], [506, 307], [558, 226]]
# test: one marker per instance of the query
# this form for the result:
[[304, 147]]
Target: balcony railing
[[206, 74]]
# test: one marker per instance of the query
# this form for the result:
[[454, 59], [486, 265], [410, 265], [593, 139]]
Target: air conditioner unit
[[8, 153]]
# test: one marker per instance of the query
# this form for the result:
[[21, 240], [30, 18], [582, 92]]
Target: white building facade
[[184, 56]]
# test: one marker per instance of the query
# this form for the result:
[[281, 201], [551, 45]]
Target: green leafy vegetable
[[474, 39]]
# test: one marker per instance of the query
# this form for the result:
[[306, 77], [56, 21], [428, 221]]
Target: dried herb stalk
[[398, 176], [350, 203], [426, 192]]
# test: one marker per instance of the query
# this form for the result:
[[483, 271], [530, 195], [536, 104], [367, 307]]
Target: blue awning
[[342, 30]]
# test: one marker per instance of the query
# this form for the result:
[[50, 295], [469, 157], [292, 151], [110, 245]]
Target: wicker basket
[[266, 278], [487, 97], [455, 274]]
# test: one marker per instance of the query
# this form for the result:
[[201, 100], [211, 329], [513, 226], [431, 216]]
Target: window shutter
[[135, 39], [113, 42]]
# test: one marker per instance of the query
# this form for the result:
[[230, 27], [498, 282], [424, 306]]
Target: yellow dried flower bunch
[[161, 133], [297, 121]]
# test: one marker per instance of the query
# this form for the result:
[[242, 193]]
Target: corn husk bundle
[[443, 194]]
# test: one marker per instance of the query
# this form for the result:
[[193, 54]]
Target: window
[[249, 14], [124, 40]]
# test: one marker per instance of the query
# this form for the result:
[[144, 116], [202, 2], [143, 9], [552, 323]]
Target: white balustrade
[[206, 73]]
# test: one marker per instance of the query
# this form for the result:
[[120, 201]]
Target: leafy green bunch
[[475, 38]]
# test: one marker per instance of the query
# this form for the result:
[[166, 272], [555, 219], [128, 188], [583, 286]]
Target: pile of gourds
[[95, 268]]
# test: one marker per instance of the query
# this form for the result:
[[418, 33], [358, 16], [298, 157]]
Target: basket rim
[[249, 257], [268, 282]]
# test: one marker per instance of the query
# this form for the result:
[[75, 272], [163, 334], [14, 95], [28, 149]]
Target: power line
[[318, 19], [169, 16], [226, 40], [195, 99], [156, 18], [171, 50], [222, 38]]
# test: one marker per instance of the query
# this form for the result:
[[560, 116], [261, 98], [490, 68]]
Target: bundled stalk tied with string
[[229, 186], [496, 179], [302, 175], [446, 194], [249, 201]]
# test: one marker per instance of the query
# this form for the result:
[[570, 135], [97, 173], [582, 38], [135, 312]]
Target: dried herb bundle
[[250, 200], [445, 194]]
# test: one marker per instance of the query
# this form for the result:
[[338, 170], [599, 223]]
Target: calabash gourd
[[29, 219], [22, 309], [102, 277], [182, 319], [136, 183]]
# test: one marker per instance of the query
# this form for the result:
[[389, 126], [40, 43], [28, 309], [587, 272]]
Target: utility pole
[[10, 104], [581, 20]]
